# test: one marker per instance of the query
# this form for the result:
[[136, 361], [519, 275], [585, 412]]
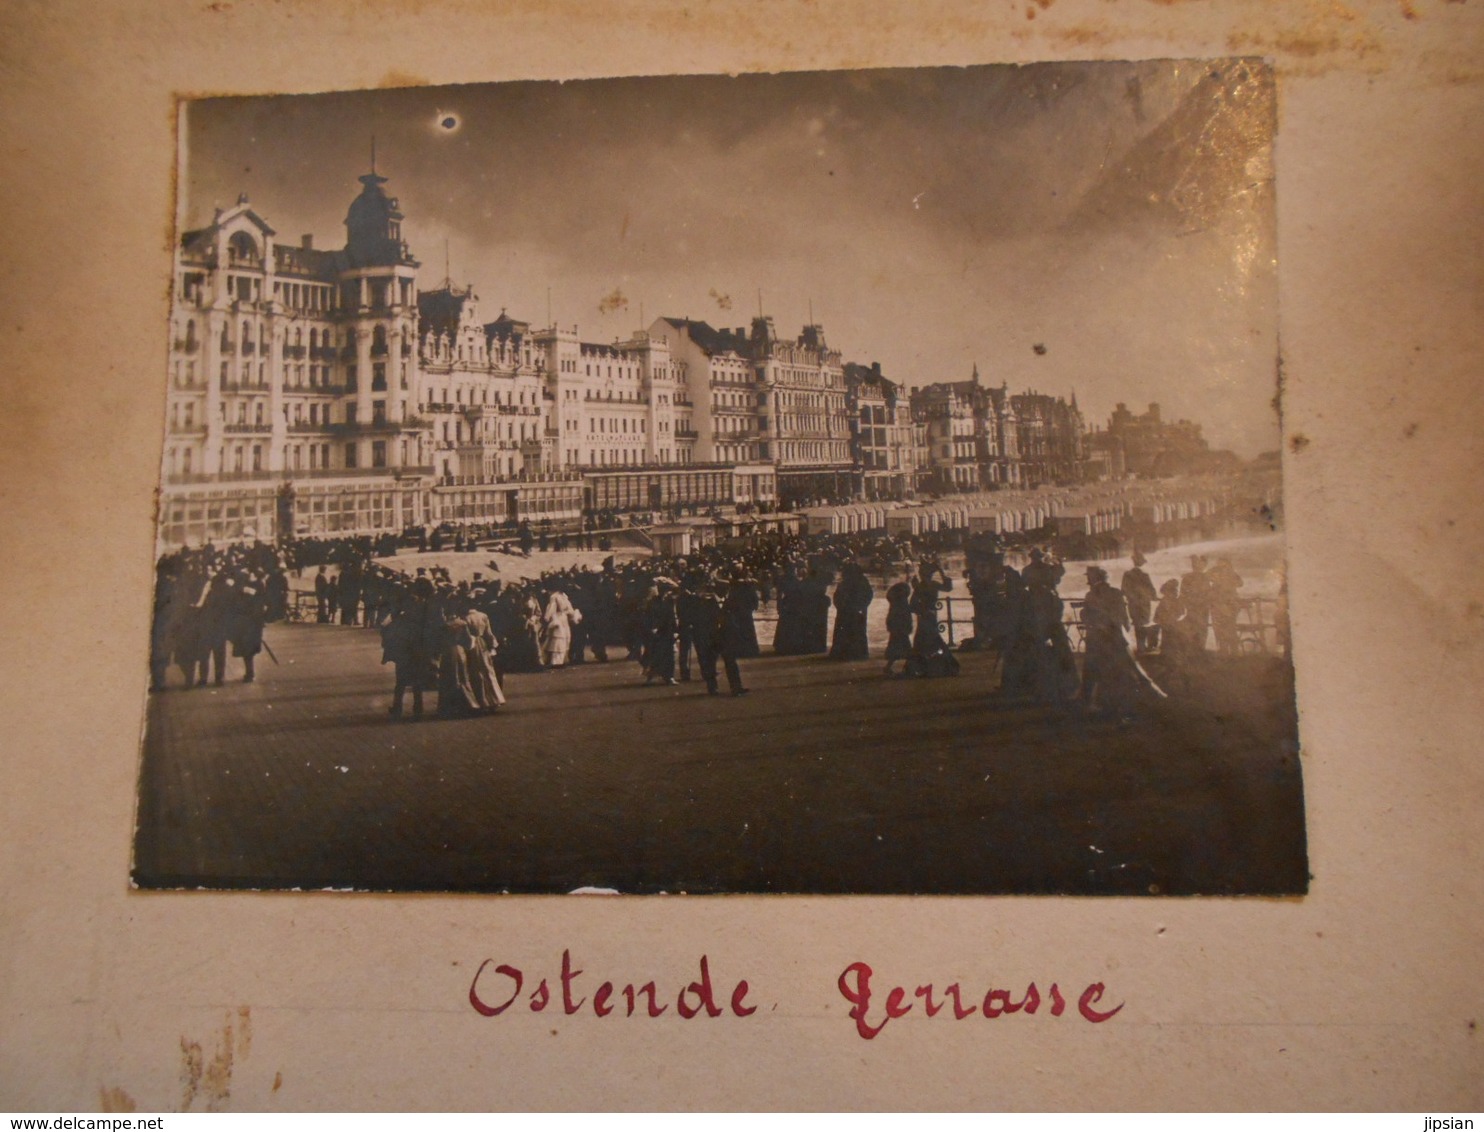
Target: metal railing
[[1257, 630]]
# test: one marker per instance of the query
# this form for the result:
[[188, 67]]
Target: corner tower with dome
[[378, 308], [297, 404]]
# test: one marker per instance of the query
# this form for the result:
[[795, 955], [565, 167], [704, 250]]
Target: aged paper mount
[[1357, 995]]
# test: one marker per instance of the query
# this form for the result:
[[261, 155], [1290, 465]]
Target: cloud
[[933, 217]]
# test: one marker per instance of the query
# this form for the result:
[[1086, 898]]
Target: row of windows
[[530, 397], [802, 422], [661, 490], [811, 378], [830, 403], [819, 452], [204, 520], [304, 296], [376, 293], [476, 349], [250, 336], [456, 432]]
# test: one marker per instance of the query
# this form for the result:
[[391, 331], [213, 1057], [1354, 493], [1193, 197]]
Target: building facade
[[882, 444], [293, 380], [984, 437], [754, 397], [319, 391], [1049, 438], [1146, 445]]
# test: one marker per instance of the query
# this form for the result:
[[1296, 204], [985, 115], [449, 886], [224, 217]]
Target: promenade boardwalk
[[827, 779]]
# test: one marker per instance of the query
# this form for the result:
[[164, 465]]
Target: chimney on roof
[[306, 242], [875, 369]]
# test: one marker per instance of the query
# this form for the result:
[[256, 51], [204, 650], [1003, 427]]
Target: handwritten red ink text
[[855, 986], [494, 993]]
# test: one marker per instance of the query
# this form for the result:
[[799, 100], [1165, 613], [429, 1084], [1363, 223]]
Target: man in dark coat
[[716, 636], [603, 619], [168, 597], [1195, 592], [1139, 593], [788, 633], [217, 610], [277, 594], [322, 597], [815, 632], [852, 600], [1042, 571], [689, 617], [660, 625], [349, 593], [248, 614], [740, 604], [1224, 600]]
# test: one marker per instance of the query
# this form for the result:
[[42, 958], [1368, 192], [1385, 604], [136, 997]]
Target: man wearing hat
[[1139, 593], [716, 636], [1042, 572], [660, 625]]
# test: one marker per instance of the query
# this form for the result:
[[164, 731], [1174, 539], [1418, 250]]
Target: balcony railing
[[266, 478], [363, 428], [568, 477], [241, 427]]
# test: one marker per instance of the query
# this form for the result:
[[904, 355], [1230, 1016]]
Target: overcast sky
[[1117, 215]]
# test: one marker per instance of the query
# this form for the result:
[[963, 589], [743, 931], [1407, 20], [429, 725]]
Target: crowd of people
[[1020, 614], [208, 600], [682, 618]]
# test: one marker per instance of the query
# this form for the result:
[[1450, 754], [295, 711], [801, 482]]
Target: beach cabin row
[[1155, 512], [1085, 520]]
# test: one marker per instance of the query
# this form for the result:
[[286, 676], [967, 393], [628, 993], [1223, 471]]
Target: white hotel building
[[319, 391]]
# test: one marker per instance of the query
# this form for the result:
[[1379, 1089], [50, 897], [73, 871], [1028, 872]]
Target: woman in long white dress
[[557, 641]]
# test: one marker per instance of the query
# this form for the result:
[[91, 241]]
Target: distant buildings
[[1145, 445], [883, 447], [320, 391], [758, 397], [982, 437]]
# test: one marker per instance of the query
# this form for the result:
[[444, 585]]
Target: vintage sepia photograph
[[849, 482]]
